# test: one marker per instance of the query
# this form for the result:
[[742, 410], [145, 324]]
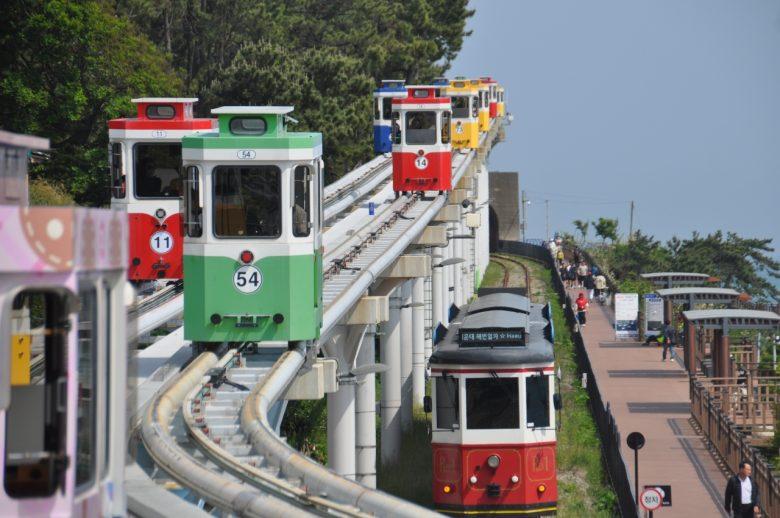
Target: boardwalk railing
[[615, 464], [733, 446]]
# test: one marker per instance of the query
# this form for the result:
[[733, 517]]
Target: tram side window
[[421, 128], [475, 107], [193, 213], [460, 107], [396, 128], [36, 420], [86, 418], [157, 170], [301, 211], [387, 107], [446, 127], [118, 185], [447, 402], [247, 201], [537, 401], [492, 403]]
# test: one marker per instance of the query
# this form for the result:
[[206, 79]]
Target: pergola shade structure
[[721, 322]]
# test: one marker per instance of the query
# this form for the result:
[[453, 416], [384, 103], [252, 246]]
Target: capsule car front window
[[157, 170], [395, 128], [460, 107], [537, 401], [447, 402], [421, 128], [193, 212], [247, 201], [387, 107], [160, 111], [36, 419], [86, 418], [492, 403], [301, 213]]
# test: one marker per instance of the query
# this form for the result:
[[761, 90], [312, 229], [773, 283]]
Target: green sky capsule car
[[252, 229]]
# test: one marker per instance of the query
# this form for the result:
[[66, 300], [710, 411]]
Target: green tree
[[606, 228], [67, 67], [582, 227], [740, 263], [641, 255]]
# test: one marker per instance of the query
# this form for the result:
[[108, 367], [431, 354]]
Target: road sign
[[651, 499], [666, 493], [635, 441]]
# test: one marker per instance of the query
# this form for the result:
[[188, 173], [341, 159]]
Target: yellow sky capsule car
[[501, 104], [484, 104], [465, 113]]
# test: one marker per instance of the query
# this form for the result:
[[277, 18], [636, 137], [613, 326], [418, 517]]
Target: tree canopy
[[68, 67]]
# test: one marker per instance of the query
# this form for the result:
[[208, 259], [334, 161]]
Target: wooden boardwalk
[[652, 397]]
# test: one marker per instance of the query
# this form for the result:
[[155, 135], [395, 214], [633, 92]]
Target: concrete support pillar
[[341, 431], [445, 288], [437, 299], [390, 348], [418, 341], [407, 337], [457, 269], [365, 414]]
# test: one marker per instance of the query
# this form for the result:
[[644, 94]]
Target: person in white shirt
[[742, 494]]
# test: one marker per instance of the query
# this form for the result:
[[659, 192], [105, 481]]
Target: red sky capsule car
[[422, 151], [145, 160]]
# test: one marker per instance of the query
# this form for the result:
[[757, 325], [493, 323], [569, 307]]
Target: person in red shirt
[[582, 307]]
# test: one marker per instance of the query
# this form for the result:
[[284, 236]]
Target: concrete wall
[[505, 201]]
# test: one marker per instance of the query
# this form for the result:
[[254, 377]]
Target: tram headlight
[[473, 479], [493, 461], [541, 488], [448, 488], [160, 213], [515, 479]]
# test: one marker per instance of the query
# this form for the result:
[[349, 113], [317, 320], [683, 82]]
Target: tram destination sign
[[492, 337]]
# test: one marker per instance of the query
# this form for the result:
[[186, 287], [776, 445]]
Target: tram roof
[[503, 301], [537, 349], [733, 318], [252, 110]]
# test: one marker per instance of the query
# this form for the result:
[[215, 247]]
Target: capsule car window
[[387, 107], [460, 107], [447, 401], [421, 128], [160, 111], [157, 170], [537, 401], [248, 126], [247, 201]]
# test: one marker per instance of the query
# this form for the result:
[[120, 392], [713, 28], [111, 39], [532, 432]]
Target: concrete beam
[[370, 310], [457, 196], [433, 235], [316, 382], [409, 266], [467, 181], [448, 214]]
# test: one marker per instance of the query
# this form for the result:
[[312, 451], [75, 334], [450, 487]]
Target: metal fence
[[615, 464], [733, 446]]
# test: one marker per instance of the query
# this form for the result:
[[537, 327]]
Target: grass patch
[[494, 275], [305, 425], [410, 477], [583, 488]]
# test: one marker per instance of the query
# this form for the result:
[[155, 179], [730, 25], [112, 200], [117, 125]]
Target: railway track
[[503, 261]]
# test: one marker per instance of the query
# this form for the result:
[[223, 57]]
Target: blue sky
[[674, 104]]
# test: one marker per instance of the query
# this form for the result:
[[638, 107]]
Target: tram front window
[[157, 170], [492, 403], [421, 128], [387, 107], [537, 401], [36, 419], [247, 201], [447, 401], [460, 107]]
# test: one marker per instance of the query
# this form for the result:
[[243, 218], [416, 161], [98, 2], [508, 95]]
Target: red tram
[[422, 151], [494, 431], [145, 159]]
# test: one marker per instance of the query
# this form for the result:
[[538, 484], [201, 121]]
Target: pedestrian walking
[[742, 497], [590, 285], [582, 272], [668, 341], [600, 285], [560, 255], [582, 307]]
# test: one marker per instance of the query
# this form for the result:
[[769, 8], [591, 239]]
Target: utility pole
[[547, 217], [522, 212], [631, 223]]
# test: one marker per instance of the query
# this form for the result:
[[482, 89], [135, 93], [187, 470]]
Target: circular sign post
[[651, 499], [636, 441]]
